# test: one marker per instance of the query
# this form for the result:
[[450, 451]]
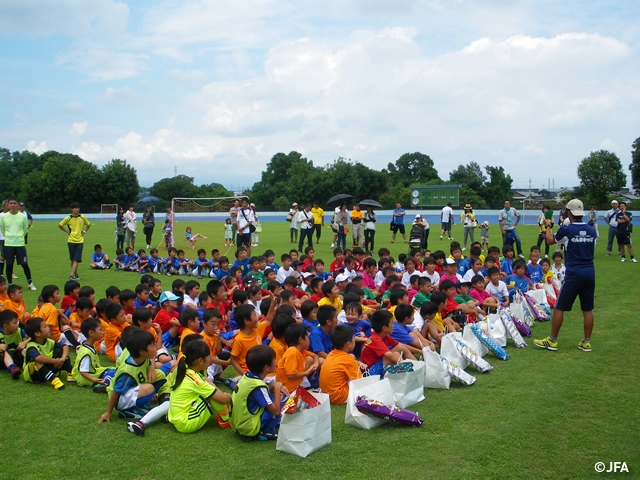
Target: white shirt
[[447, 213], [244, 217], [418, 321], [559, 273], [406, 278], [131, 221], [469, 275], [610, 217], [294, 218], [435, 278], [379, 278], [303, 214], [498, 291], [283, 274]]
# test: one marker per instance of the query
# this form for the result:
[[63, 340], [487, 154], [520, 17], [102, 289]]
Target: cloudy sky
[[217, 87]]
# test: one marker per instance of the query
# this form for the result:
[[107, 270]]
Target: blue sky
[[217, 88]]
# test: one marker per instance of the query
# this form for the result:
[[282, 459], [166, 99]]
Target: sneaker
[[14, 276], [136, 428], [585, 346], [163, 398], [440, 237], [245, 438], [333, 245], [229, 383], [464, 248], [546, 343], [168, 274], [71, 278], [70, 378], [133, 414], [57, 383], [633, 260], [148, 247], [99, 388], [15, 372], [623, 259], [266, 436], [222, 423], [32, 286], [521, 256], [608, 254]]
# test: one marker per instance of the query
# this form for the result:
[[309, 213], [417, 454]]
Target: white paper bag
[[408, 387], [539, 296], [497, 330], [449, 351], [435, 372], [373, 388], [473, 343], [304, 432]]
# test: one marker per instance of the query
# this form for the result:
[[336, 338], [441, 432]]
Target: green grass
[[538, 415]]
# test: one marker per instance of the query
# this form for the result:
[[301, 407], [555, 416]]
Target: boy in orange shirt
[[117, 323], [190, 322], [83, 311], [297, 362], [15, 303], [278, 344], [3, 290], [251, 333], [211, 334], [339, 368], [49, 313]]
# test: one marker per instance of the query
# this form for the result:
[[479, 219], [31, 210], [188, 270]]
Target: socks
[[224, 414], [70, 337], [156, 413], [13, 365], [553, 339], [586, 340]]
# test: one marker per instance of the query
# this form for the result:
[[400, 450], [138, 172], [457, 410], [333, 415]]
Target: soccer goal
[[201, 209], [108, 211]]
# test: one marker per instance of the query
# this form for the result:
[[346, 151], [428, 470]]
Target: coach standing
[[14, 226], [580, 280], [611, 219], [76, 226], [508, 219]]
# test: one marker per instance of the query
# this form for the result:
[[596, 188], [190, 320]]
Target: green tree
[[173, 187], [213, 190], [472, 180], [498, 189], [397, 193], [344, 176], [635, 165], [412, 168], [601, 173], [120, 183]]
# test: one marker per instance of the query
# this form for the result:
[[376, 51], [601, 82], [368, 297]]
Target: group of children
[[279, 327]]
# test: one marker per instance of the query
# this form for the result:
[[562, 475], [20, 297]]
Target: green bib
[[96, 369], [241, 419], [11, 340], [137, 372], [46, 349]]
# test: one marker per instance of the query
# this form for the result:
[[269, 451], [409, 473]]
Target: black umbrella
[[369, 203], [148, 200], [340, 198]]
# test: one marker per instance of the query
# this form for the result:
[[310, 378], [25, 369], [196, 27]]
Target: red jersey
[[375, 350], [163, 318]]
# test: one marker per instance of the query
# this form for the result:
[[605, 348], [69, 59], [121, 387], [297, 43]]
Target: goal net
[[108, 211], [201, 209]]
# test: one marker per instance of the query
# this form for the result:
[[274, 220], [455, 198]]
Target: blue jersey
[[399, 220], [199, 262], [129, 259], [274, 266], [507, 266], [400, 334], [534, 272], [360, 326], [244, 265], [623, 227], [320, 341], [153, 262], [463, 266], [97, 257], [173, 262], [309, 324], [324, 275], [580, 244], [518, 282], [138, 303], [220, 273]]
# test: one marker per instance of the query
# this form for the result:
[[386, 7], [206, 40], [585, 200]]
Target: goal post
[[201, 209], [108, 211]]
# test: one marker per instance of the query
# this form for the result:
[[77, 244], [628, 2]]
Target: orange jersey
[[49, 313], [112, 338], [3, 297], [74, 318], [279, 347], [185, 332], [292, 362], [337, 370], [243, 342], [19, 307], [212, 341]]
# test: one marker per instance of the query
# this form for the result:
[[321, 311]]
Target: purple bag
[[522, 328], [376, 408], [537, 310]]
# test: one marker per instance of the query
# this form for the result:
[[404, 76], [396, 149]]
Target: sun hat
[[614, 202], [467, 206], [342, 278], [294, 204], [576, 207], [450, 261], [485, 224], [418, 215]]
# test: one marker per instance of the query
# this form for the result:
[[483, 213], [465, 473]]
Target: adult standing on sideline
[[233, 213], [318, 219], [149, 222], [255, 239], [5, 209], [14, 226], [610, 218], [580, 279], [369, 229], [334, 226], [25, 212], [468, 219], [76, 226], [131, 222], [508, 219], [121, 228], [342, 220], [246, 219], [305, 219], [293, 223], [398, 223], [624, 219], [357, 220], [446, 219]]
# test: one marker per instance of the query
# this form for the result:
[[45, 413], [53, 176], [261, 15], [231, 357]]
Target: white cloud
[[74, 107], [104, 63], [122, 96], [37, 148], [78, 129], [608, 144], [186, 76], [533, 150]]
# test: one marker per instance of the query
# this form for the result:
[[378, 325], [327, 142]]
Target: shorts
[[571, 289], [128, 399], [168, 340], [1, 248], [377, 368], [446, 226], [75, 251], [19, 253], [244, 239], [16, 357], [484, 239], [622, 238], [395, 228], [199, 414]]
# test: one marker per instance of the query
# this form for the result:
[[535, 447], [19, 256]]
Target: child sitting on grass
[[339, 368], [190, 322], [87, 370], [383, 350], [497, 287], [167, 318], [13, 341], [135, 382], [117, 323], [99, 259], [83, 311], [297, 361], [256, 407], [142, 318], [319, 338], [361, 329], [424, 292], [192, 238], [403, 333], [480, 295], [251, 333], [211, 334], [193, 398], [518, 281], [44, 358], [15, 303], [51, 315]]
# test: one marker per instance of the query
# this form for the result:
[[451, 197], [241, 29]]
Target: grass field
[[540, 414]]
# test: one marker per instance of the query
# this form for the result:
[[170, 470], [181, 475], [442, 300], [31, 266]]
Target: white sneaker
[[14, 276], [633, 260], [333, 245], [624, 259], [464, 248], [148, 247], [521, 256], [33, 287]]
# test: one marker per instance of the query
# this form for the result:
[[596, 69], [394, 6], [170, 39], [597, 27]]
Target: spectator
[[508, 219], [254, 235], [121, 228], [397, 223], [611, 218], [131, 224], [149, 222], [76, 226], [468, 219], [446, 218], [233, 213], [305, 219], [318, 219], [14, 226], [369, 229], [342, 219], [293, 222], [29, 219], [245, 220]]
